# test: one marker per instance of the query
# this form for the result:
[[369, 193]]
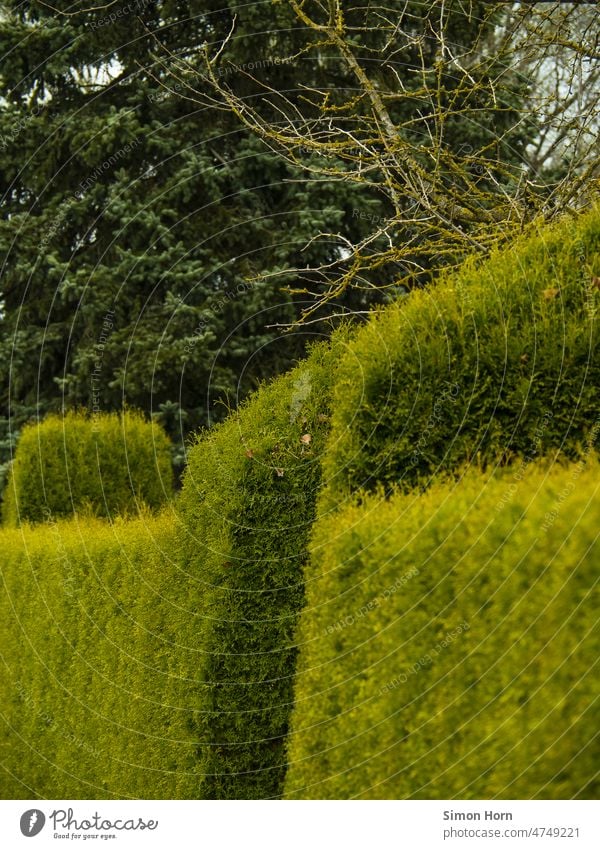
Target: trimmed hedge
[[449, 641], [99, 652], [109, 464], [497, 361], [155, 658], [248, 502]]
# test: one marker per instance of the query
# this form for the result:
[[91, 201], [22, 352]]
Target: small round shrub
[[106, 464]]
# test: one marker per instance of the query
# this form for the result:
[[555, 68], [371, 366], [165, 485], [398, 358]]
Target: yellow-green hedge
[[449, 643], [495, 362], [100, 652], [108, 464], [156, 657], [248, 503]]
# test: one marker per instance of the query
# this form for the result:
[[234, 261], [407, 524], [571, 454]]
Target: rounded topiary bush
[[448, 643], [107, 464], [495, 362]]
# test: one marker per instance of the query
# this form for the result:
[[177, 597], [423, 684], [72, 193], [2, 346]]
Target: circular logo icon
[[32, 822]]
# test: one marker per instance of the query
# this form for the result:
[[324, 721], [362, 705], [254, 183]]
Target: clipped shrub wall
[[248, 502], [99, 646], [497, 361], [109, 464], [448, 644]]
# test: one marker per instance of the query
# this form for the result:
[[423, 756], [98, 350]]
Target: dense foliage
[[248, 504], [107, 464], [448, 643], [497, 363], [100, 653], [446, 633], [132, 218], [134, 215]]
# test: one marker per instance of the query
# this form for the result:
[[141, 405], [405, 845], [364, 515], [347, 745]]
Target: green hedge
[[449, 641], [99, 657], [495, 362], [109, 464], [248, 502], [156, 657]]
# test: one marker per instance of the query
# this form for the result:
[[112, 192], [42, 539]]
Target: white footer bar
[[302, 825]]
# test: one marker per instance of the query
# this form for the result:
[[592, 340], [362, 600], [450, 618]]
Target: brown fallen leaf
[[306, 439], [524, 358], [550, 294], [280, 473], [596, 282], [249, 453]]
